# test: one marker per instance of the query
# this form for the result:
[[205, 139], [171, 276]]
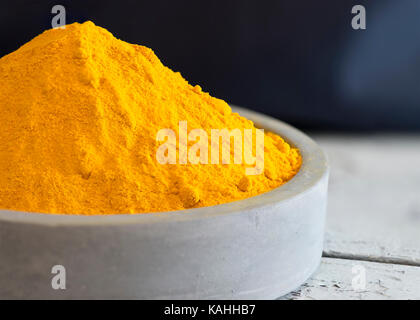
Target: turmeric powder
[[80, 111]]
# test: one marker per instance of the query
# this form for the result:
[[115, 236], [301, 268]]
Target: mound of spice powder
[[80, 112]]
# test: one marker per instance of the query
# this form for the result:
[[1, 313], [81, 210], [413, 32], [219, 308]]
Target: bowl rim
[[312, 172]]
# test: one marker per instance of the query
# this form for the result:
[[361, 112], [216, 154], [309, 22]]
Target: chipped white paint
[[338, 245], [374, 197], [333, 280], [373, 215]]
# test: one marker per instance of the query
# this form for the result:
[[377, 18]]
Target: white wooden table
[[373, 223]]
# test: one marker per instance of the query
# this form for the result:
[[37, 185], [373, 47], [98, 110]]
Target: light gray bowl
[[259, 248]]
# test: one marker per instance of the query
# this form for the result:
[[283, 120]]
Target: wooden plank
[[334, 280], [374, 197]]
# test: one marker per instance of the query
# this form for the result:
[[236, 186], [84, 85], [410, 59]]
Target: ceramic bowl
[[258, 248]]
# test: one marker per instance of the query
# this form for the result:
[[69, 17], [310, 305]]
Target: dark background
[[296, 60]]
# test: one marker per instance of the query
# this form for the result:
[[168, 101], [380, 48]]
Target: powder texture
[[79, 113]]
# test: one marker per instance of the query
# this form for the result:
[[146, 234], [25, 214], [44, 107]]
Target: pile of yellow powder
[[79, 114]]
